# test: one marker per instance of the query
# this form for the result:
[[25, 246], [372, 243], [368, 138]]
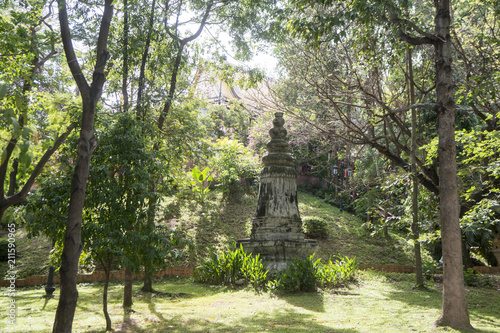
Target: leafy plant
[[232, 162], [336, 273], [315, 227], [429, 268], [229, 267], [201, 182], [301, 275]]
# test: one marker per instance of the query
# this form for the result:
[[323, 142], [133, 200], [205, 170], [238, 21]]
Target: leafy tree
[[372, 47], [27, 45], [232, 162], [115, 224]]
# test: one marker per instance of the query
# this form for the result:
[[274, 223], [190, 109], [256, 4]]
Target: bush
[[306, 275], [337, 273], [300, 276], [232, 162], [229, 267], [4, 246], [315, 227], [473, 279]]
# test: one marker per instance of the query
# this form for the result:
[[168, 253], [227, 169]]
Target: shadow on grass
[[483, 304], [270, 322], [309, 301]]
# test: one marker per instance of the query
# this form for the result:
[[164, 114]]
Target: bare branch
[[414, 106]]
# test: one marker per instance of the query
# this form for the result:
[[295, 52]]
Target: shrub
[[307, 274], [315, 227], [229, 267], [300, 276], [232, 162], [473, 279], [337, 273]]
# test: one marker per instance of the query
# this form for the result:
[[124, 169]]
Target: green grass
[[377, 303], [348, 237]]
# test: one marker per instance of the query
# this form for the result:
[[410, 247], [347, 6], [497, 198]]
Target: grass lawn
[[378, 302]]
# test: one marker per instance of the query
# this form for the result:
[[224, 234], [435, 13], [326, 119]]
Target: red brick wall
[[38, 280]]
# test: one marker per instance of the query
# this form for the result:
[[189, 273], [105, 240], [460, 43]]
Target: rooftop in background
[[216, 91]]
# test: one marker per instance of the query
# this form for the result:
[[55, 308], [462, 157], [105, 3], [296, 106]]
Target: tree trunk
[[148, 281], [72, 241], [127, 289], [125, 56], [107, 271], [419, 277], [86, 144], [140, 108], [454, 312]]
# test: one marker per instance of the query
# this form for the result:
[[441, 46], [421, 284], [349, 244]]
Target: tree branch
[[72, 61], [414, 106], [23, 194]]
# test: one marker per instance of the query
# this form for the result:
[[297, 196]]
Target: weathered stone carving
[[277, 233]]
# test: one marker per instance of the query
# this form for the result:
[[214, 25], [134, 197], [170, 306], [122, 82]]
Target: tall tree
[[454, 312], [325, 26], [90, 94]]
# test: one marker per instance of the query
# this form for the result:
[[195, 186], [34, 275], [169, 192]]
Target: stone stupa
[[277, 233]]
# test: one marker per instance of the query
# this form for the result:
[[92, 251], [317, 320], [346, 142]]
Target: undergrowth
[[305, 274]]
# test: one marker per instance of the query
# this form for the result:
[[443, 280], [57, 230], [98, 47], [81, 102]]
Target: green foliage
[[117, 219], [306, 274], [315, 227], [430, 267], [301, 275], [229, 267], [333, 274], [473, 279], [232, 162], [480, 225], [201, 182]]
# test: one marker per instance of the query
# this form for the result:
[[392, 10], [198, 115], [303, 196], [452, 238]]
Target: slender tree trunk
[[72, 241], [86, 144], [454, 312], [173, 84], [140, 107], [107, 271], [419, 278], [13, 178], [127, 289], [125, 56]]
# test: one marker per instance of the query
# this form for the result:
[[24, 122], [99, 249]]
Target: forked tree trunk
[[90, 94], [454, 312]]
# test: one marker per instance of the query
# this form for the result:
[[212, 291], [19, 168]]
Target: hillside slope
[[218, 223]]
